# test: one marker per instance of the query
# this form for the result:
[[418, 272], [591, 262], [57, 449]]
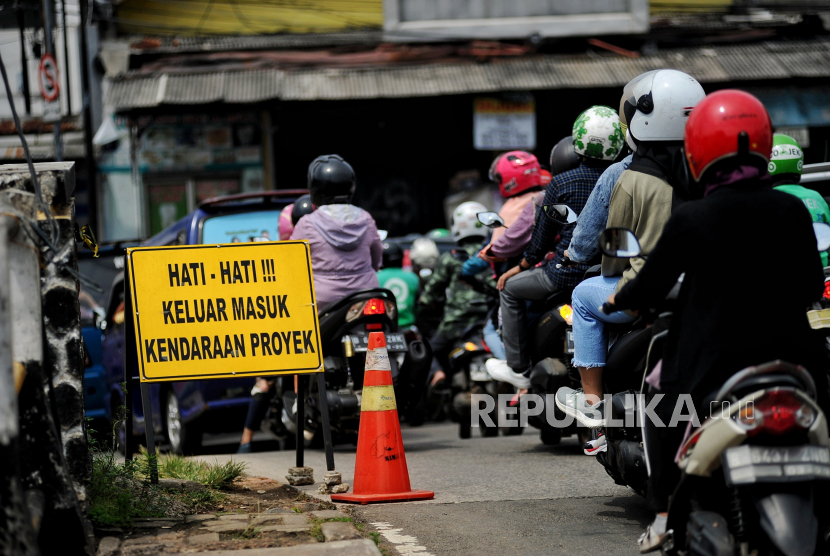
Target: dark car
[[98, 273], [182, 411]]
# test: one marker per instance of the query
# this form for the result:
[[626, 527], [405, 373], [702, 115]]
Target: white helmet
[[597, 133], [424, 253], [657, 104], [465, 221]]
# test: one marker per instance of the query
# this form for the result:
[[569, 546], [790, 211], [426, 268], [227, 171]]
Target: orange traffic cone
[[380, 473]]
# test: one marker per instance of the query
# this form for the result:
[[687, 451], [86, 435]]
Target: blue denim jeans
[[590, 336], [493, 340]]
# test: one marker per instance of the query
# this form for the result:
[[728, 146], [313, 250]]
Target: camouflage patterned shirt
[[465, 306]]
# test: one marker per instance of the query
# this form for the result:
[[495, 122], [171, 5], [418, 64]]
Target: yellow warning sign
[[223, 311]]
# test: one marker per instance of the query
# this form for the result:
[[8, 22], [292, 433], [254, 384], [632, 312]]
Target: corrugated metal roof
[[717, 64], [226, 43]]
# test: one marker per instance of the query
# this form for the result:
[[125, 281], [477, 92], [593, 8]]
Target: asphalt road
[[492, 495]]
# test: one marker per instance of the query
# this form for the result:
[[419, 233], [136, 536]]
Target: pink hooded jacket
[[346, 251], [510, 211]]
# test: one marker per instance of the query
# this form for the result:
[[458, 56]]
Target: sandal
[[654, 536]]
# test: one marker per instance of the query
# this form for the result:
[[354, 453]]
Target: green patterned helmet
[[438, 233], [597, 133], [787, 156]]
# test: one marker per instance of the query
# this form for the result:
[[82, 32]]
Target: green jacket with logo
[[464, 306], [404, 284], [814, 202]]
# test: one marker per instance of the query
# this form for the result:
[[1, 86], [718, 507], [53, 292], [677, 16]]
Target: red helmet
[[516, 172], [725, 124]]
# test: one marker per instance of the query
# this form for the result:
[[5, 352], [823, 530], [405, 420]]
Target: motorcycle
[[344, 331], [470, 377], [550, 342], [632, 355], [752, 474]]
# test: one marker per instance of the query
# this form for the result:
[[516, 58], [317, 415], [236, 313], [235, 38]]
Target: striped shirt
[[570, 188]]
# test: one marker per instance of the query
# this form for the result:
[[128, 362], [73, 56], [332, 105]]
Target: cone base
[[390, 497]]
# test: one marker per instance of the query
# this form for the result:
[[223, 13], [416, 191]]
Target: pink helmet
[[516, 172], [286, 226]]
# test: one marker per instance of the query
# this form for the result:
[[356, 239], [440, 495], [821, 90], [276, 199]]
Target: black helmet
[[563, 157], [392, 255], [331, 180], [302, 206]]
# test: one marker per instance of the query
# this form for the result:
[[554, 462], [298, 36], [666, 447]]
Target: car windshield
[[242, 227]]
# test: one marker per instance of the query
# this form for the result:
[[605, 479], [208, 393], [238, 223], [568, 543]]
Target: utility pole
[[24, 64], [66, 71], [49, 13], [91, 168]]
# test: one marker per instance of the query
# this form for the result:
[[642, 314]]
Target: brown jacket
[[641, 203]]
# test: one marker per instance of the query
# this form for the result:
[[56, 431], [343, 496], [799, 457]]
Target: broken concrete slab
[[278, 510], [361, 547], [300, 476], [108, 546], [333, 489], [301, 471], [232, 517], [333, 478], [307, 507], [227, 527], [330, 514], [199, 517], [267, 520], [296, 519], [285, 528], [203, 538], [339, 531]]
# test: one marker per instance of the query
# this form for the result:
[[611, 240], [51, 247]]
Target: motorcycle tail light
[[355, 311], [374, 307], [391, 309], [567, 313], [776, 412], [826, 294]]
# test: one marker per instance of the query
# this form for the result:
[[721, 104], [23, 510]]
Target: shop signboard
[[500, 125]]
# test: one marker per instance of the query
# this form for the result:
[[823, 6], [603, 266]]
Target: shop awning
[[716, 64], [792, 107]]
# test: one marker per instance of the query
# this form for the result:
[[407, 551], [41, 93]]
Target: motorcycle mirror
[[822, 231], [620, 243], [490, 219], [561, 214], [425, 273], [383, 234]]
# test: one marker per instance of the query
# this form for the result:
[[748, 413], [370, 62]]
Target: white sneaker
[[572, 402], [595, 445], [500, 371]]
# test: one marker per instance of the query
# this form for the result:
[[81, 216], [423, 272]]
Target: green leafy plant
[[117, 493]]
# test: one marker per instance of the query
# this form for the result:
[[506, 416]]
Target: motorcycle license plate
[[394, 342], [569, 341], [761, 464]]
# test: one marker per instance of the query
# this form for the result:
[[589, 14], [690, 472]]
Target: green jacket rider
[[785, 167]]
